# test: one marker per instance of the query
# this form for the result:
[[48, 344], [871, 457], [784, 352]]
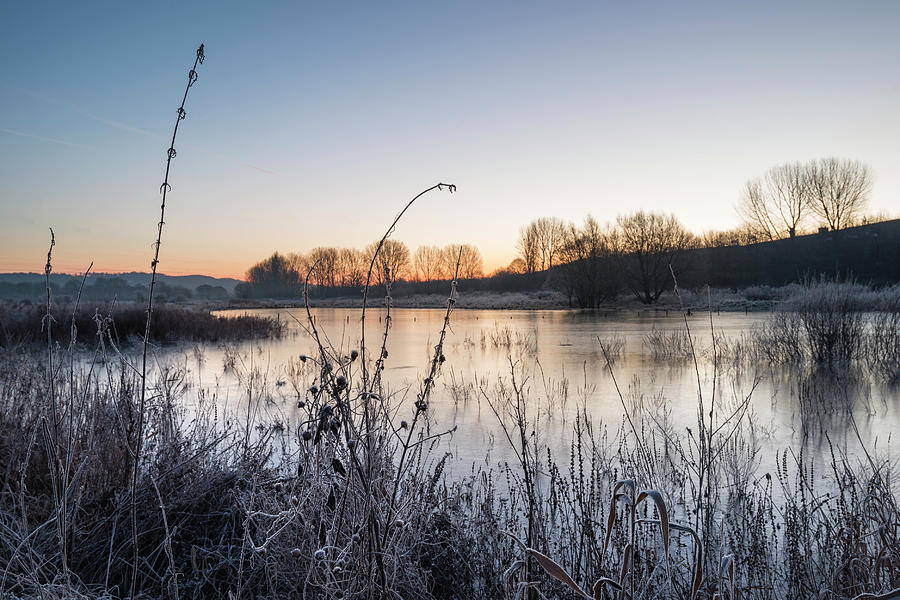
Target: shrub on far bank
[[836, 324], [24, 323]]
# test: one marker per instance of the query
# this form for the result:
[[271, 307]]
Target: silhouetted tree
[[392, 263], [540, 242], [516, 266], [324, 263], [839, 190], [300, 263], [351, 267], [471, 265], [775, 204], [741, 236], [588, 269], [528, 247], [647, 244], [211, 292], [428, 263], [273, 277]]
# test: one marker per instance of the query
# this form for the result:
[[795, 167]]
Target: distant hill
[[123, 286], [868, 253], [134, 278]]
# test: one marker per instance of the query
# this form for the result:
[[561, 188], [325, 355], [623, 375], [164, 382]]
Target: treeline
[[332, 271], [641, 253], [105, 288], [595, 263], [638, 255], [832, 193], [590, 262]]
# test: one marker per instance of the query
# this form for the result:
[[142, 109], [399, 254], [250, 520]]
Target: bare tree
[[471, 265], [528, 246], [516, 266], [299, 262], [448, 261], [392, 263], [351, 267], [325, 260], [775, 204], [589, 272], [540, 243], [741, 236], [648, 243], [428, 263], [551, 237], [839, 190]]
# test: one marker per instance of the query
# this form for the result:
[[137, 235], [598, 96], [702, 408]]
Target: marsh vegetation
[[337, 473]]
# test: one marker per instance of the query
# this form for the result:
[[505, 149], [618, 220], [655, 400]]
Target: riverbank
[[720, 300]]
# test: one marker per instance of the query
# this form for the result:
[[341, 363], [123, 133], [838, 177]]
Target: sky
[[314, 123]]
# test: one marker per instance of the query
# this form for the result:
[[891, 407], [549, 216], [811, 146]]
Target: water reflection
[[563, 371]]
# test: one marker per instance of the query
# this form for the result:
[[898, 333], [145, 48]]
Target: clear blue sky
[[312, 124]]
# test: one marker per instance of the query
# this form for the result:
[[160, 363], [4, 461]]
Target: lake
[[559, 357]]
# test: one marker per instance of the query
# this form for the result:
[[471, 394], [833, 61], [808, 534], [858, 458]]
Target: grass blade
[[555, 570]]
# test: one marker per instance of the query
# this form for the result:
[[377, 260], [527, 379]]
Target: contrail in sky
[[125, 127], [130, 128], [42, 138]]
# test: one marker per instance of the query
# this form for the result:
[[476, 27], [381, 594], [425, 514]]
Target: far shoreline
[[717, 300]]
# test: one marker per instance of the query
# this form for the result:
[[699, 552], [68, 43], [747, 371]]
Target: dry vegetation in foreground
[[353, 501]]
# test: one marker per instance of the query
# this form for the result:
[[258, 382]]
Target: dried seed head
[[399, 523], [341, 381], [354, 355], [351, 443], [307, 435], [303, 358], [261, 551], [296, 553], [320, 554], [279, 487], [355, 538], [295, 500], [404, 425], [300, 403], [313, 390]]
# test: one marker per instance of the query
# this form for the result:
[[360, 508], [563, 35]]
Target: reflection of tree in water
[[829, 400]]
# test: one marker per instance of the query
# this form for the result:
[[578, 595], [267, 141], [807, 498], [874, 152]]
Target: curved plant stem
[[139, 434]]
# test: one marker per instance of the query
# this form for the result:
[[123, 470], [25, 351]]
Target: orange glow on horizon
[[171, 267]]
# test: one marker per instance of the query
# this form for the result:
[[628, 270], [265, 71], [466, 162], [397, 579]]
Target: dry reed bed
[[839, 327], [260, 508], [123, 323]]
